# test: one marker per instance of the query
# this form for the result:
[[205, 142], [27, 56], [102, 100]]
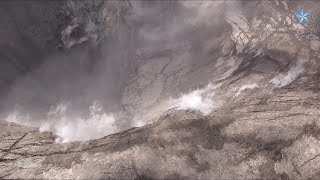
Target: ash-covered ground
[[159, 90]]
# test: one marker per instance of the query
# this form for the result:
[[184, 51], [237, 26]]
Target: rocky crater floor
[[211, 90]]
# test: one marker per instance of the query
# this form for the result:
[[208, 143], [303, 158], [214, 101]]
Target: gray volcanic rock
[[259, 137], [264, 70]]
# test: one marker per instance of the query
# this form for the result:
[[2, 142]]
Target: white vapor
[[244, 87], [138, 121], [199, 100], [20, 118], [69, 128], [283, 80]]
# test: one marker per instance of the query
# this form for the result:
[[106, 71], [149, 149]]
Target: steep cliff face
[[222, 90]]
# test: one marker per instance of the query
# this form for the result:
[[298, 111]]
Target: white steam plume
[[20, 118], [285, 79], [199, 100], [71, 128], [245, 87]]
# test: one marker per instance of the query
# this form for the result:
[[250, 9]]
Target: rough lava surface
[[265, 123]]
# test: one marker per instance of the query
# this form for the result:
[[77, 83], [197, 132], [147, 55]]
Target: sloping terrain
[[234, 95]]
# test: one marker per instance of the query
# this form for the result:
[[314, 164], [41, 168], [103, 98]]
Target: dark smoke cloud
[[88, 72]]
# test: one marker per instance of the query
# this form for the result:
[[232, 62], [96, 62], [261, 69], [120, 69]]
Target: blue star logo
[[303, 16]]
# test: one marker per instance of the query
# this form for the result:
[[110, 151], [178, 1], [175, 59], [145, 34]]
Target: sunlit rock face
[[202, 90]]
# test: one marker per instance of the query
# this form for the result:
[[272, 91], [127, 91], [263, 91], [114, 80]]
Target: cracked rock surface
[[266, 124]]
